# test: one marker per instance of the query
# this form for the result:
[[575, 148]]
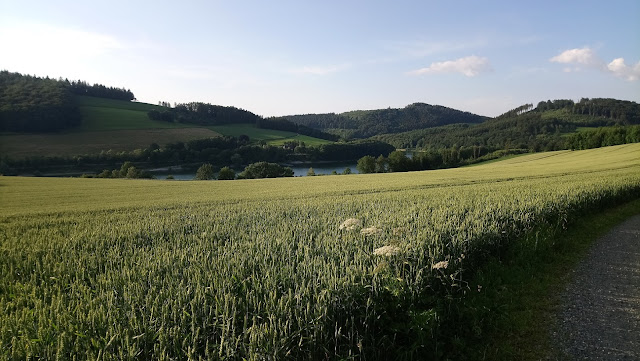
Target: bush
[[226, 173], [265, 170], [205, 172]]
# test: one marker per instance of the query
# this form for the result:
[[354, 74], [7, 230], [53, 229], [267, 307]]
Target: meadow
[[349, 267], [119, 125]]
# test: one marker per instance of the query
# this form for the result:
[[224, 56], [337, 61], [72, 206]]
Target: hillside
[[550, 126], [367, 123], [119, 125]]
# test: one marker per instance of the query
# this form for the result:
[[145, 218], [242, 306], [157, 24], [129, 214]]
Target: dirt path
[[599, 318]]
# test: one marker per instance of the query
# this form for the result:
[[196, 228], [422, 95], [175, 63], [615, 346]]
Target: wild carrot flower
[[371, 231], [386, 251], [351, 224], [440, 265]]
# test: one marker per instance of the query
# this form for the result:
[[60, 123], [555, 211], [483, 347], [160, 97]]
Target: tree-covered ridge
[[543, 128], [32, 104], [367, 123]]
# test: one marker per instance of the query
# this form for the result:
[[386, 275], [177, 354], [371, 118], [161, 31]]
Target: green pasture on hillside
[[100, 114], [119, 125], [274, 137], [333, 267]]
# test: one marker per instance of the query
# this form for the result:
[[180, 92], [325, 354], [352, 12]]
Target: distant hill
[[549, 126], [367, 123]]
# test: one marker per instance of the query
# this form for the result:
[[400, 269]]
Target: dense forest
[[540, 129], [367, 123], [33, 104]]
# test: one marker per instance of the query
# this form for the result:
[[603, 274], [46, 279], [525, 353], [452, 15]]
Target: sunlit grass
[[257, 269]]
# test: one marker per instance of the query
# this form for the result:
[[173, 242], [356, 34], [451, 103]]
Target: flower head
[[351, 224]]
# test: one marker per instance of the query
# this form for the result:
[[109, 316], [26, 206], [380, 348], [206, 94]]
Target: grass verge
[[511, 311]]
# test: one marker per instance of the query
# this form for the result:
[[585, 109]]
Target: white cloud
[[584, 56], [622, 70], [587, 58], [320, 70], [469, 66]]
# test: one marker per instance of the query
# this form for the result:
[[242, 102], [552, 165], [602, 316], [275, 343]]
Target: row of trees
[[98, 90], [398, 161], [252, 171]]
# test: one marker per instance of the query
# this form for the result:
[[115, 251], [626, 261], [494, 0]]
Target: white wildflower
[[440, 265], [351, 224], [386, 251], [371, 231]]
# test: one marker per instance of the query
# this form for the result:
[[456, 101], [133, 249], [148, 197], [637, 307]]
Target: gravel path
[[599, 318]]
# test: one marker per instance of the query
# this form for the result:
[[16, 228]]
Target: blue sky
[[295, 57]]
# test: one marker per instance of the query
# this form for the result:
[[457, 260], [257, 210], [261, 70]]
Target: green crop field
[[334, 267]]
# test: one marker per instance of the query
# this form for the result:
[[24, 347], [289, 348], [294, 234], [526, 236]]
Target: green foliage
[[32, 104], [265, 170], [261, 269], [205, 172], [367, 123], [226, 173], [311, 172], [366, 164], [602, 137]]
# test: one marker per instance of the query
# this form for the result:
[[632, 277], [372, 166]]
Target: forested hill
[[33, 104], [367, 123], [552, 125]]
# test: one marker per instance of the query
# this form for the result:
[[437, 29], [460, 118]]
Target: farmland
[[119, 125], [262, 269]]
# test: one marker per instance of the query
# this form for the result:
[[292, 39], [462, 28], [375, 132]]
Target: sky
[[298, 57]]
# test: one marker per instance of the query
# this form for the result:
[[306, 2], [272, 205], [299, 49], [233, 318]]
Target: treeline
[[626, 112], [219, 151], [208, 114], [98, 90], [516, 111], [604, 137], [204, 114], [367, 123], [398, 161], [32, 104]]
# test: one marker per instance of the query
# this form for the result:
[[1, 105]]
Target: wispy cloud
[[470, 66], [586, 58], [320, 69]]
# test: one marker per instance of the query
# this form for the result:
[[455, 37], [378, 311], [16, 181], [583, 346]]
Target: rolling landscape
[[307, 268], [363, 181]]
